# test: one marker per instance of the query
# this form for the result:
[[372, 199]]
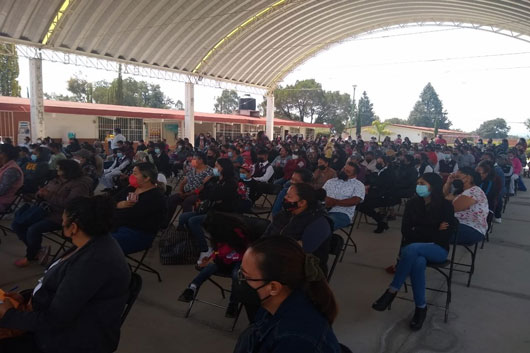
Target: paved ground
[[490, 316]]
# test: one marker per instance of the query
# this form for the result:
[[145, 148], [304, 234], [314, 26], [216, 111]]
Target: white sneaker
[[204, 255], [497, 220]]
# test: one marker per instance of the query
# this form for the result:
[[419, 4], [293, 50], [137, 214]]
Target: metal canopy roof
[[252, 42]]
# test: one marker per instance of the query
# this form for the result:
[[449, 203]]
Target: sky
[[478, 75]]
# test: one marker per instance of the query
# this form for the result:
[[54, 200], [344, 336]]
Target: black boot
[[384, 302], [381, 227], [419, 317]]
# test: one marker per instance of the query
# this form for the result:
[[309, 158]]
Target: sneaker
[[43, 255], [187, 295], [231, 310], [204, 255], [23, 262], [497, 220]]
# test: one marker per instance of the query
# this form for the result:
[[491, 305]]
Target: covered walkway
[[489, 317]]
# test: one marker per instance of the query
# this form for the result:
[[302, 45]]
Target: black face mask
[[379, 166], [261, 159], [458, 184], [289, 206], [248, 295], [321, 167], [342, 175], [417, 161]]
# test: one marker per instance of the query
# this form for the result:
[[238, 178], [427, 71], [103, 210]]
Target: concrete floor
[[490, 316]]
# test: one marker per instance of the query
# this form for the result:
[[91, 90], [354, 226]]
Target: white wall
[[415, 136], [58, 126]]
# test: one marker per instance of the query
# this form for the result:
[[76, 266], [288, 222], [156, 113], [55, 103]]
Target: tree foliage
[[227, 102], [307, 101], [120, 91], [527, 123], [428, 110], [495, 128], [366, 115], [379, 128], [397, 121], [9, 71]]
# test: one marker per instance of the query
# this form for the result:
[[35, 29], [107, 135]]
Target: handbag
[[177, 248]]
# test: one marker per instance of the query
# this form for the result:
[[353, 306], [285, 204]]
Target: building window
[[131, 128], [253, 129], [232, 131]]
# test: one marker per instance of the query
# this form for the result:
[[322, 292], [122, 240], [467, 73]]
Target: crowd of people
[[280, 275]]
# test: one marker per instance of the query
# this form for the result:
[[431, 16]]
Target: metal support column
[[189, 112], [36, 99], [269, 126]]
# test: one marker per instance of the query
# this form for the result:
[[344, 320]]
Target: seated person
[[428, 224], [36, 170], [230, 238], [304, 220], [344, 193], [30, 224], [370, 162], [379, 193], [87, 163], [139, 217], [188, 188], [406, 176], [161, 159], [357, 158], [11, 176], [56, 155], [297, 305], [280, 161], [221, 192], [323, 173], [114, 171], [491, 184], [23, 157], [296, 162], [299, 176], [423, 163], [235, 156], [77, 304], [263, 170], [446, 165], [470, 204]]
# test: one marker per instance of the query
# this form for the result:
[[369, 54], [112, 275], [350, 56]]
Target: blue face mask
[[216, 172], [119, 154], [34, 157], [157, 150], [230, 154], [422, 190], [242, 176]]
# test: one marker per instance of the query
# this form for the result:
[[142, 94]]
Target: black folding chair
[[57, 238], [491, 215], [139, 264], [135, 287], [270, 194], [11, 208], [347, 232], [468, 268], [446, 269], [336, 246]]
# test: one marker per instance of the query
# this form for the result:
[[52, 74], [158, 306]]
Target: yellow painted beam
[[56, 20]]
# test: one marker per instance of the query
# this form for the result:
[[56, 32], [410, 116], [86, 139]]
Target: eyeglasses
[[241, 277]]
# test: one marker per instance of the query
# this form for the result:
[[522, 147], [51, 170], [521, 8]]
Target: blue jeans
[[340, 220], [132, 240], [277, 206], [194, 223], [468, 235], [521, 185], [212, 269], [412, 262], [32, 235]]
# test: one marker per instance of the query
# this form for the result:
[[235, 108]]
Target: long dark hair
[[282, 259], [93, 215], [437, 196], [228, 168], [308, 193], [475, 177]]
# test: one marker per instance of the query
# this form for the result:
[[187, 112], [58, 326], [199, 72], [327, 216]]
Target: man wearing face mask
[[162, 160], [370, 162], [120, 163], [323, 173], [446, 165], [263, 170], [344, 193], [380, 193]]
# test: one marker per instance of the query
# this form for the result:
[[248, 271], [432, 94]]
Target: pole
[[353, 106], [189, 112], [269, 125], [36, 99]]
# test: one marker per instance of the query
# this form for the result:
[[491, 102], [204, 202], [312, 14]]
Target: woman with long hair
[[428, 223], [297, 307]]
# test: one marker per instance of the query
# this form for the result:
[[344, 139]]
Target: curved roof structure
[[251, 42]]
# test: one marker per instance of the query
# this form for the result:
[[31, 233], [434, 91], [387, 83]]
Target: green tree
[[365, 114], [81, 89], [527, 123], [396, 121], [9, 71], [303, 101], [227, 102], [428, 110], [495, 128], [335, 110]]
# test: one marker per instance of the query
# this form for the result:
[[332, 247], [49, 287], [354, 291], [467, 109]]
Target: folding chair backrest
[[135, 287], [257, 226], [335, 248]]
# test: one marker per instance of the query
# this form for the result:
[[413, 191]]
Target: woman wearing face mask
[[76, 306], [36, 169], [235, 156], [470, 203], [219, 190], [161, 160], [323, 173], [141, 212], [297, 307], [304, 220], [428, 224], [120, 163], [46, 217]]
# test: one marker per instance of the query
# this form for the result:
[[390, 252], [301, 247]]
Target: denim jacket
[[296, 327]]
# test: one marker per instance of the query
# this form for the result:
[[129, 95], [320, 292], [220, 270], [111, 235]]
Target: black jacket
[[79, 305], [222, 192], [405, 184], [421, 223]]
